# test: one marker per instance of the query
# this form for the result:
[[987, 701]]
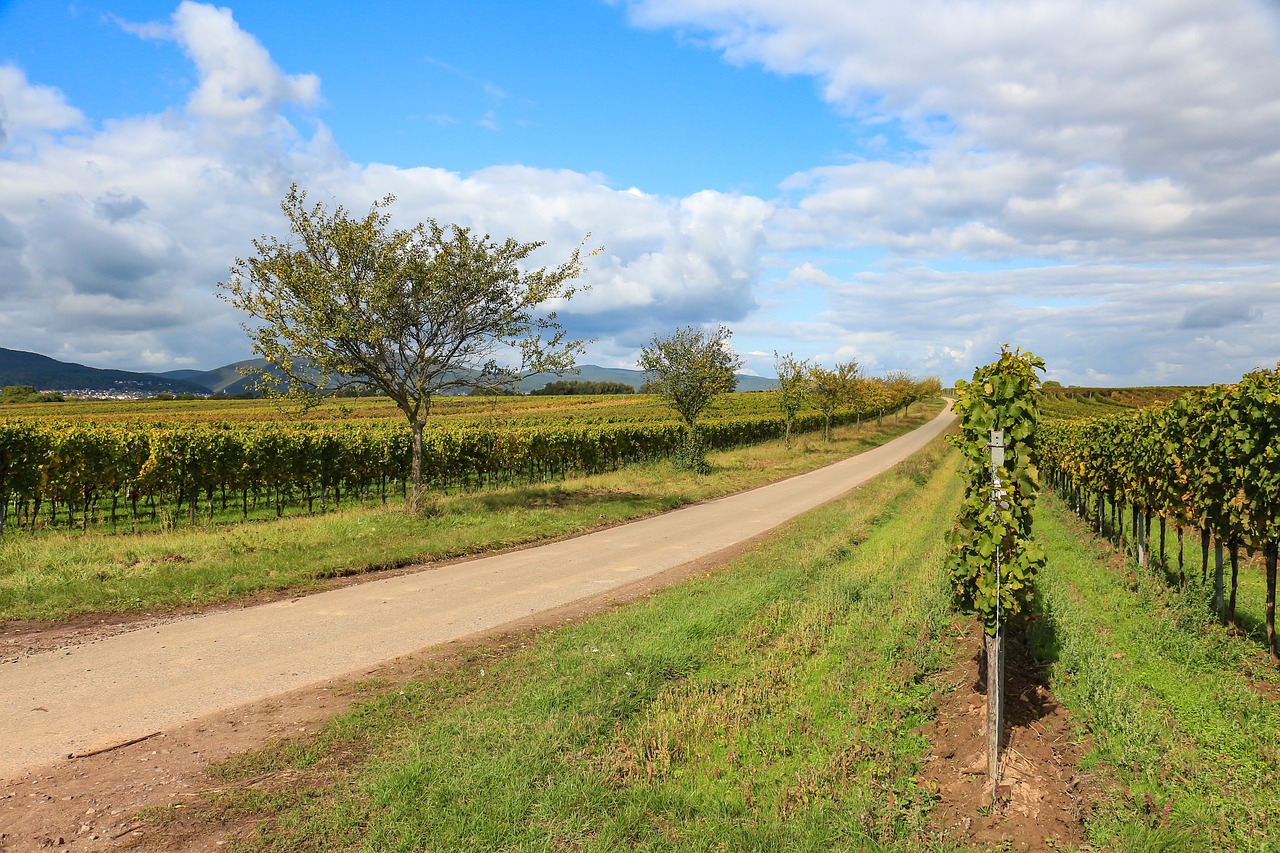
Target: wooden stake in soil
[[995, 645], [995, 704]]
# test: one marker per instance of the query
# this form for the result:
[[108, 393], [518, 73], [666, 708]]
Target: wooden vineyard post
[[995, 644]]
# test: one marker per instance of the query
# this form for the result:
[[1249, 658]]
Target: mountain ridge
[[44, 373]]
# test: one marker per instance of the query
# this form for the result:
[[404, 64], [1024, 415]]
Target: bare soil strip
[[1043, 795]]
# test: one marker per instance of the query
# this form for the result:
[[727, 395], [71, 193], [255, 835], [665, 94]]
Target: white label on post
[[997, 447]]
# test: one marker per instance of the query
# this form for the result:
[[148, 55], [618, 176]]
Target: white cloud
[[239, 83], [27, 109], [1095, 181], [113, 238], [1087, 129], [1115, 165]]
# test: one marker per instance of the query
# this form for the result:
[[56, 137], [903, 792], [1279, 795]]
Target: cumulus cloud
[[240, 86], [1092, 180], [26, 109], [1082, 129], [113, 238], [1135, 141]]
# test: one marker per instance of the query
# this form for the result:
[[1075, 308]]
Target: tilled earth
[[1042, 797]]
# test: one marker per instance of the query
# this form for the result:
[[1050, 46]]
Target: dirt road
[[74, 701]]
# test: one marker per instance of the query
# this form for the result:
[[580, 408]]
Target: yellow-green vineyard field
[[122, 466]]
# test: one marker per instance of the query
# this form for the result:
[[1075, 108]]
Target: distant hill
[[188, 374], [228, 379], [47, 374]]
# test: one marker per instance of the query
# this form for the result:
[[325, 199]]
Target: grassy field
[[54, 575], [1184, 713], [771, 706], [779, 704]]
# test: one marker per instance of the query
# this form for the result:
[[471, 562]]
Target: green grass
[[774, 705], [778, 705], [57, 575], [1183, 714]]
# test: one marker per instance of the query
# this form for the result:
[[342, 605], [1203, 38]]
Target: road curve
[[131, 685]]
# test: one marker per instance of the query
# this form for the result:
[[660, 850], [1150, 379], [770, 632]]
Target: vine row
[[1208, 461], [77, 474]]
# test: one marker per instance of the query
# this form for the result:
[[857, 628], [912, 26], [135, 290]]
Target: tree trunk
[[1164, 562], [415, 468], [1135, 516], [1204, 556]]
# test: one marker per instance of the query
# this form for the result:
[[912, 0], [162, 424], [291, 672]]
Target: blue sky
[[465, 86], [904, 184]]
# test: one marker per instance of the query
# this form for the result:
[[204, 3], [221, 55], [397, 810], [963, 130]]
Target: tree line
[[567, 387]]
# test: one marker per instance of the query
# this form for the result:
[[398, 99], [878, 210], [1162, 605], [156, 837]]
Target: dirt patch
[[1043, 795], [92, 803]]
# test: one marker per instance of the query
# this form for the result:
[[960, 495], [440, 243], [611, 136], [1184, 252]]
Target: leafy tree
[[17, 393], [690, 368], [831, 389], [28, 394], [907, 390], [992, 558], [347, 301], [793, 387]]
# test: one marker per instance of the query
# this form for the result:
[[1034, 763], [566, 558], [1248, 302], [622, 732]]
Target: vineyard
[[1079, 402], [1209, 462], [114, 466]]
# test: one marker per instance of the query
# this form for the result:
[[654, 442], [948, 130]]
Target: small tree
[[411, 313], [793, 382], [17, 393], [689, 369], [831, 389], [28, 394]]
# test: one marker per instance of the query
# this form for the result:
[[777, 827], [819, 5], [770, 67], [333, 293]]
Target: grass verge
[[1184, 715], [773, 705], [57, 576]]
